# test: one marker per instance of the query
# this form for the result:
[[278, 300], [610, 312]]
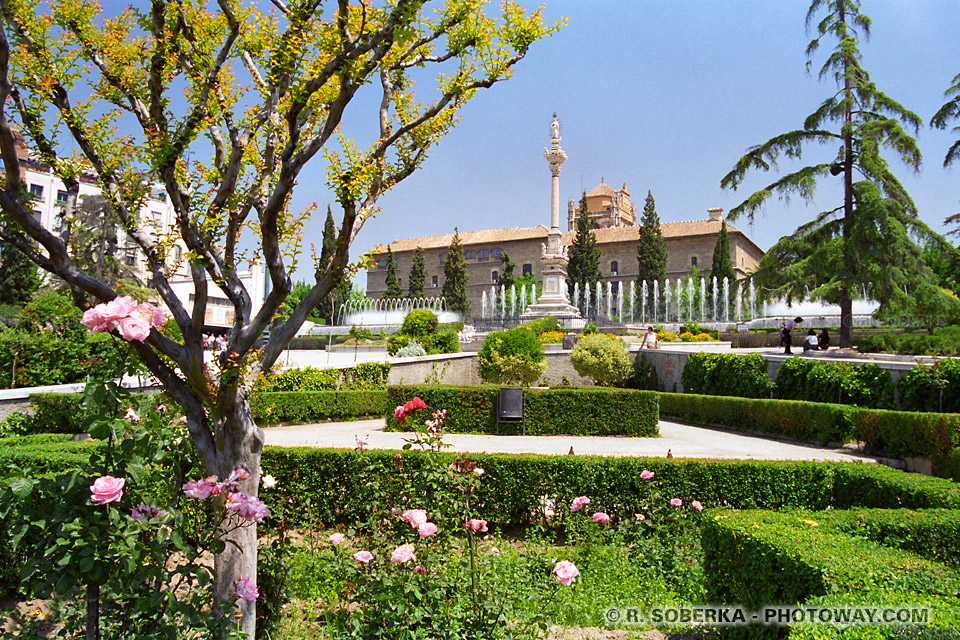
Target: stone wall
[[461, 369]]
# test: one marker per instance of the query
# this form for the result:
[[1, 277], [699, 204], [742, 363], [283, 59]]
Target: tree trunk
[[846, 320], [846, 301], [240, 446]]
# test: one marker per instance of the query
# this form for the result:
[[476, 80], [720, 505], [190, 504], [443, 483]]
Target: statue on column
[[555, 128]]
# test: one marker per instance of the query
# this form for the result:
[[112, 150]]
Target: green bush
[[724, 374], [696, 329], [905, 434], [794, 558], [603, 358], [805, 421], [943, 341], [569, 411], [791, 380], [644, 375], [511, 356], [365, 375], [397, 342], [863, 385], [316, 406], [56, 413], [419, 324], [542, 325], [931, 388], [442, 342]]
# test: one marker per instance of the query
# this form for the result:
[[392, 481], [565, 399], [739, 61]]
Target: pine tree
[[865, 121], [722, 263], [418, 275], [394, 290], [455, 278], [507, 278], [584, 265], [652, 248]]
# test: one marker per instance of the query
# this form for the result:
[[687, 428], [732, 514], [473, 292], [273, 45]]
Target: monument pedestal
[[553, 300]]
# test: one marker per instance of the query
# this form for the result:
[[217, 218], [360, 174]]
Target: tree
[[18, 275], [506, 278], [394, 290], [260, 94], [652, 248], [418, 275], [722, 263], [328, 247], [455, 278], [947, 113], [584, 265], [866, 121]]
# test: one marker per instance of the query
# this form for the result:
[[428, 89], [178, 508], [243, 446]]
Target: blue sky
[[664, 96]]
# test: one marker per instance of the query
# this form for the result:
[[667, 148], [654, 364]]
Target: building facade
[[689, 244]]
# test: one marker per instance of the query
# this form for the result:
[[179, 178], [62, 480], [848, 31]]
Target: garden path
[[683, 441]]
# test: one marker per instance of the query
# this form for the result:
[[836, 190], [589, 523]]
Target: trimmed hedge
[[56, 413], [933, 534], [931, 388], [315, 406], [805, 421], [725, 374], [862, 385], [567, 411], [893, 434], [363, 376], [760, 558]]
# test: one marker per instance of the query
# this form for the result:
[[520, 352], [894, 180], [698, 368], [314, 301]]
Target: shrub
[[723, 374], [419, 324], [542, 325], [931, 388], [316, 406], [397, 342], [56, 413], [366, 375], [664, 335], [944, 341], [602, 358], [412, 349], [590, 327], [442, 342], [644, 375], [514, 355], [697, 330], [570, 411], [551, 337], [863, 385]]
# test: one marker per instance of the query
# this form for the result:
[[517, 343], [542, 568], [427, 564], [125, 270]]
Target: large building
[[157, 215], [689, 244]]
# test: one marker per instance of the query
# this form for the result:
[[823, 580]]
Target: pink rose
[[416, 403], [119, 307], [336, 538], [143, 512], [696, 505], [107, 489], [476, 525], [403, 554], [233, 480], [427, 530], [415, 517], [579, 503], [198, 489], [246, 589], [95, 319], [419, 569], [566, 572], [134, 327], [646, 475], [131, 415], [363, 557], [400, 413], [247, 507], [640, 517], [394, 511], [601, 518], [676, 502], [361, 440]]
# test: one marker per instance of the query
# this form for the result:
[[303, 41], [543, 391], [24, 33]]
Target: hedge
[[56, 413], [315, 406], [805, 421], [725, 374], [762, 558], [568, 411], [892, 434]]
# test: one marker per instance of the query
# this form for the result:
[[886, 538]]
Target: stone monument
[[553, 260]]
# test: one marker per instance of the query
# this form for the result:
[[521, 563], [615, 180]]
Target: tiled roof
[[614, 234], [601, 189]]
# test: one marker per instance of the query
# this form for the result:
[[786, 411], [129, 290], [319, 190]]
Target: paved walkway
[[682, 440]]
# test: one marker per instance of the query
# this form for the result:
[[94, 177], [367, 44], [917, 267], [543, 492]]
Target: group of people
[[812, 342], [217, 343]]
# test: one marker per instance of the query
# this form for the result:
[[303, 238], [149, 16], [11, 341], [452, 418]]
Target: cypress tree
[[652, 248], [722, 263], [858, 121], [394, 290], [18, 274], [418, 275], [455, 278], [507, 266], [584, 265], [327, 247]]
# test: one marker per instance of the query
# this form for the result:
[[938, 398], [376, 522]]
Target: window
[[36, 190], [494, 276], [130, 257], [615, 287], [527, 269], [483, 254], [400, 281], [61, 197], [614, 268], [693, 261], [434, 281], [471, 255], [177, 253], [382, 263], [495, 254], [443, 258]]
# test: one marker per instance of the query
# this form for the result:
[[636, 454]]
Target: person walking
[[788, 334]]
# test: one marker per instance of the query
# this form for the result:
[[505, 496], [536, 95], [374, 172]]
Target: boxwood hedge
[[583, 411]]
